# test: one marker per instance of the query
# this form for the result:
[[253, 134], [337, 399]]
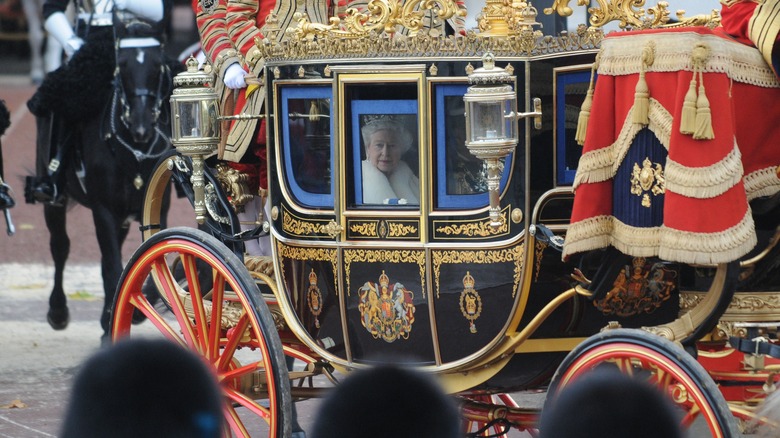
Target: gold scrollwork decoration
[[384, 256], [368, 229], [301, 228], [512, 255], [480, 228], [400, 230], [629, 13], [308, 253], [383, 16]]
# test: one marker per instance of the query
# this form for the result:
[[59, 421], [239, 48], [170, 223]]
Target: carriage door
[[382, 206]]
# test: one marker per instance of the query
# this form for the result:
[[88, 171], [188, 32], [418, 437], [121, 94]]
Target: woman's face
[[384, 151]]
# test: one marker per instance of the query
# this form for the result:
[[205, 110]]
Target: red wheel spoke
[[170, 290], [215, 325], [198, 305], [235, 423], [234, 336]]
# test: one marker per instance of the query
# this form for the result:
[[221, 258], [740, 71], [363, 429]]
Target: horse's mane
[[5, 117]]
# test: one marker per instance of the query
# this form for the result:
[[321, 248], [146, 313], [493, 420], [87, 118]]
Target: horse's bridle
[[120, 99]]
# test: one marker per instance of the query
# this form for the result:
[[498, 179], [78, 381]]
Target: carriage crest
[[386, 310], [314, 298], [470, 302], [638, 289]]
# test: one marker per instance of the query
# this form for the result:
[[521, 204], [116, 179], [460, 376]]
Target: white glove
[[60, 28], [234, 77], [149, 9]]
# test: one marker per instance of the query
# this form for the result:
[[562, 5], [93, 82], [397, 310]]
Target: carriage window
[[306, 129], [385, 152], [571, 88], [461, 178]]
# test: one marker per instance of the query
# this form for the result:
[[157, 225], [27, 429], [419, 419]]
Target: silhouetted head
[[387, 401], [609, 404], [144, 388]]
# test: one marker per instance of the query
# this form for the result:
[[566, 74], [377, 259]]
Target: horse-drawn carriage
[[464, 277]]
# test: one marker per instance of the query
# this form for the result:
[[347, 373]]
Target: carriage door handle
[[536, 113], [333, 229]]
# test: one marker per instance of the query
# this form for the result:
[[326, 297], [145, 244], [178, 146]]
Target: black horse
[[109, 158]]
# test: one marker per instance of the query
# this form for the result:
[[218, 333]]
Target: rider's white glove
[[234, 77], [149, 9], [60, 28]]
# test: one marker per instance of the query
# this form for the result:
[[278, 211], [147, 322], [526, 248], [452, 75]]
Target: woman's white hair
[[387, 124]]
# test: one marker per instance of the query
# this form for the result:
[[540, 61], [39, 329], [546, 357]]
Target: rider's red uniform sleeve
[[754, 22], [214, 38]]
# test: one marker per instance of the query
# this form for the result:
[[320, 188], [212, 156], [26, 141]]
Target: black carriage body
[[430, 283]]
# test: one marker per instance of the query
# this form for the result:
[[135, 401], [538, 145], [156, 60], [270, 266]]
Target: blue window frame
[[571, 88], [460, 179], [308, 146]]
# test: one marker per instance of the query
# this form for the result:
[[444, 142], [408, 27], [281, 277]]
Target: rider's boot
[[46, 186]]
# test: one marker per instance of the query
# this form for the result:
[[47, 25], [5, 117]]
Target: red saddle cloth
[[648, 189]]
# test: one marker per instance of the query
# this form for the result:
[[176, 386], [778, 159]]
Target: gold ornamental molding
[[383, 16], [306, 228], [384, 256], [506, 255], [308, 254], [475, 228], [384, 229], [326, 45], [630, 14], [744, 306]]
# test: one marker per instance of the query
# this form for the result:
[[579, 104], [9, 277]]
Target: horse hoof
[[58, 318]]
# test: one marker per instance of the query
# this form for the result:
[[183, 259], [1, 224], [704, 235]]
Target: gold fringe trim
[[763, 182], [666, 243], [622, 55], [602, 164], [708, 248], [705, 182]]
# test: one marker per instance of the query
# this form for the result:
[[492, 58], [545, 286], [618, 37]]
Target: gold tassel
[[688, 118], [703, 115], [642, 93], [587, 104]]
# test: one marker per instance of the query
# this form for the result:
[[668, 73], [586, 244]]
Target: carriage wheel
[[237, 338], [662, 363]]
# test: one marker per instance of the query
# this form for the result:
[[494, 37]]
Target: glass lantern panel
[[492, 121], [189, 119]]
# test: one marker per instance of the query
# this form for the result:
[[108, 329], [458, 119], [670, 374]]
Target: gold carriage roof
[[394, 29]]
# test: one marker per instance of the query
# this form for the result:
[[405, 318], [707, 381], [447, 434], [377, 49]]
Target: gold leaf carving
[[384, 256], [401, 230], [513, 255]]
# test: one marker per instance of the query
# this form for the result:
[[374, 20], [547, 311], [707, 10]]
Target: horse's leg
[[110, 235], [59, 245]]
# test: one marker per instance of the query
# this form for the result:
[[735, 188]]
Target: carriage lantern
[[196, 128], [491, 128]]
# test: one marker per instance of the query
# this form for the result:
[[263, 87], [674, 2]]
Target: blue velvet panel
[[626, 206]]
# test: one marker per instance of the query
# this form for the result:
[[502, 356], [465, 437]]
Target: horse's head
[[141, 73]]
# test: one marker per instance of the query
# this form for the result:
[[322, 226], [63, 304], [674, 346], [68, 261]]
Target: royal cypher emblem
[[646, 180], [470, 302], [314, 298], [386, 310]]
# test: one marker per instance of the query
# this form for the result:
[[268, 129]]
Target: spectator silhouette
[[609, 404], [144, 388], [387, 401]]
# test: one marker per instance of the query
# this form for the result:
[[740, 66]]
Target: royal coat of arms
[[638, 289], [386, 310]]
